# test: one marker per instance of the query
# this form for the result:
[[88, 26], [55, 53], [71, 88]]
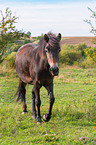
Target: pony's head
[[52, 49]]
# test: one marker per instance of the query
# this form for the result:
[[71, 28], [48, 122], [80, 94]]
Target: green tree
[[8, 31], [29, 34], [92, 21]]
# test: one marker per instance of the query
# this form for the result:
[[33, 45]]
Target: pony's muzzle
[[54, 71]]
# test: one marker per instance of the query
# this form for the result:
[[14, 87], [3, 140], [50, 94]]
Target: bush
[[27, 41], [10, 60], [80, 48], [91, 53], [87, 63], [78, 55], [13, 47], [68, 55]]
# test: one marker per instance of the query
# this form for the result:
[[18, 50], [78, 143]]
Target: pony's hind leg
[[21, 94], [34, 115]]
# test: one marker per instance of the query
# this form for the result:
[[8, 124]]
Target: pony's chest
[[44, 76]]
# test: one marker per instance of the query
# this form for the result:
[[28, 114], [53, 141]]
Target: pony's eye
[[59, 50], [47, 49]]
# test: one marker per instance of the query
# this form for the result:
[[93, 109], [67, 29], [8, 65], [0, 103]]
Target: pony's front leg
[[37, 101], [34, 115], [47, 116]]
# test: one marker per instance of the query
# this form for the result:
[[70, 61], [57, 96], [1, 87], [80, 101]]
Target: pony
[[37, 64]]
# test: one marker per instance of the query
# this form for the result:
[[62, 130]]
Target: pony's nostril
[[51, 69], [54, 70]]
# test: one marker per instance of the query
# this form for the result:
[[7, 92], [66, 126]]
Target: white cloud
[[67, 18]]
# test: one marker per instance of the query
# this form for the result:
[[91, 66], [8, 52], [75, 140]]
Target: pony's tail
[[19, 93]]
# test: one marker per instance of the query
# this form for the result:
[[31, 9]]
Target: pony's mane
[[52, 37]]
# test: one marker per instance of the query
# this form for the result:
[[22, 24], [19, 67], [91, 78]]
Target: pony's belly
[[26, 79]]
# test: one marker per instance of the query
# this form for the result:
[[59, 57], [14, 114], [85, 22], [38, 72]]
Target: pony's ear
[[46, 38], [59, 36]]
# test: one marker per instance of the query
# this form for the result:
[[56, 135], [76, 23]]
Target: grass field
[[73, 120]]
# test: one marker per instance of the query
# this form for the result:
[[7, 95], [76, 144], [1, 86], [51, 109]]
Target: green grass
[[74, 111]]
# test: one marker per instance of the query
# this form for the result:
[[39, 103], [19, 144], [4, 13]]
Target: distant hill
[[77, 40]]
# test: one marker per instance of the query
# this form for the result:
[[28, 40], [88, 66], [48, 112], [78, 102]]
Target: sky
[[59, 16]]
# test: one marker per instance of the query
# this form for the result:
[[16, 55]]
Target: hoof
[[24, 112], [39, 122], [33, 117], [46, 119]]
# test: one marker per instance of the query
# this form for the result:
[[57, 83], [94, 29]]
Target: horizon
[[64, 16]]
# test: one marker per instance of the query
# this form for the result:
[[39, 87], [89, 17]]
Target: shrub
[[78, 55], [13, 47], [87, 63], [80, 48], [68, 55], [27, 41], [10, 59], [91, 53]]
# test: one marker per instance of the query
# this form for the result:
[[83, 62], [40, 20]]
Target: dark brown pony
[[37, 65]]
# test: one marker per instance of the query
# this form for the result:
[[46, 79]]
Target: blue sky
[[46, 1], [42, 16]]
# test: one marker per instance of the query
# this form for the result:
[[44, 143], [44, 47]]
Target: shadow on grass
[[2, 74], [75, 117]]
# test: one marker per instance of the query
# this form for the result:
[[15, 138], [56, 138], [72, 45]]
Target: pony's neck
[[41, 50], [42, 56]]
